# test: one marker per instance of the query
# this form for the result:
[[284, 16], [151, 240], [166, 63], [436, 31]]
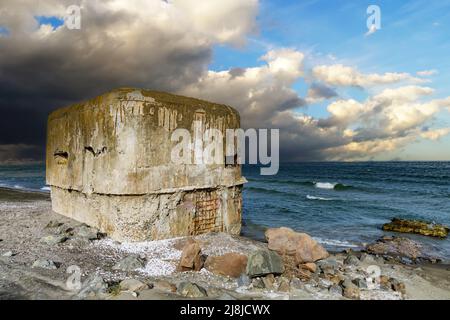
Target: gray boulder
[[191, 290], [132, 285], [129, 263], [93, 286], [44, 264], [352, 260], [263, 262], [53, 239]]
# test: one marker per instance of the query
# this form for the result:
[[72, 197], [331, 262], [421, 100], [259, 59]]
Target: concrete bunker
[[109, 166]]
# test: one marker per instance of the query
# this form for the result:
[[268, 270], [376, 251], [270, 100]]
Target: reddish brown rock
[[286, 241], [191, 258], [310, 266], [229, 264]]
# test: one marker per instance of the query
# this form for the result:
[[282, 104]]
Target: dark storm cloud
[[120, 44]]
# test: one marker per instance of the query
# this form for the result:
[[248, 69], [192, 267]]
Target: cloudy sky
[[310, 68]]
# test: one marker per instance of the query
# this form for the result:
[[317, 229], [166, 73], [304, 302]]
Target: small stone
[[53, 239], [296, 284], [263, 262], [244, 280], [351, 260], [83, 231], [324, 283], [132, 285], [258, 283], [351, 293], [384, 282], [360, 283], [129, 263], [406, 260], [379, 260], [191, 290], [8, 254], [397, 286], [93, 286], [226, 296], [335, 289], [367, 258], [328, 266], [44, 264], [310, 266], [53, 224], [283, 285], [269, 281], [164, 285], [336, 279]]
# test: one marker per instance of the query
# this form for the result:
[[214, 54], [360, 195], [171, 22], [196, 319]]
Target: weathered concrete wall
[[109, 165]]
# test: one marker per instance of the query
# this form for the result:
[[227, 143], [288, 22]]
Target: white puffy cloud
[[258, 92], [340, 75], [435, 134], [427, 73]]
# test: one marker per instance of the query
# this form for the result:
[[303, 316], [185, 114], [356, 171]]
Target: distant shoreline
[[15, 194]]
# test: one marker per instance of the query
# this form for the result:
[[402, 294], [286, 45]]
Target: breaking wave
[[318, 198], [336, 243], [331, 186]]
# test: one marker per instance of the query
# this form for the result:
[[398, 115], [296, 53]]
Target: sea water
[[342, 205]]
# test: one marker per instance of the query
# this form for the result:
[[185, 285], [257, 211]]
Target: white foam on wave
[[18, 186], [318, 198], [336, 243], [324, 185], [46, 188]]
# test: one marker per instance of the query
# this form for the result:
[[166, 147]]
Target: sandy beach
[[27, 235]]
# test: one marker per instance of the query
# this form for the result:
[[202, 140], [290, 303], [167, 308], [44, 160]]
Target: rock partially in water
[[229, 264], [45, 264], [263, 262], [129, 263], [191, 290], [418, 227], [397, 247]]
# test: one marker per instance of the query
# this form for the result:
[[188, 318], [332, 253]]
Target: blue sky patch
[[55, 22]]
